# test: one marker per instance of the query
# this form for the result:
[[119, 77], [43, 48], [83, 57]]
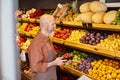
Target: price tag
[[89, 25], [23, 56], [60, 5], [84, 25], [84, 78]]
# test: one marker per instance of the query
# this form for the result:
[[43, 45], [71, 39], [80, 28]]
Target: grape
[[87, 38], [92, 34], [93, 43], [88, 34], [97, 41], [83, 41], [98, 34], [86, 42], [90, 42], [101, 37], [93, 37], [84, 65]]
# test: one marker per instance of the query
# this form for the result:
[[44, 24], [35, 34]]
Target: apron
[[50, 73]]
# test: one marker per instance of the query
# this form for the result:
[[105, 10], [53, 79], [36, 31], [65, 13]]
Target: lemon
[[114, 75], [109, 76]]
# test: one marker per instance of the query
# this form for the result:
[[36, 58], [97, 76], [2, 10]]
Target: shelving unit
[[85, 47]]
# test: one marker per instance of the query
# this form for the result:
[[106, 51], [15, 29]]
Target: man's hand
[[58, 61]]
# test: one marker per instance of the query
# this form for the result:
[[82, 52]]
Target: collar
[[43, 37]]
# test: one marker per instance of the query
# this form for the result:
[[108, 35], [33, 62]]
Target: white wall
[[8, 51]]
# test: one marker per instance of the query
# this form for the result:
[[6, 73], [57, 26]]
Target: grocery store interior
[[87, 35]]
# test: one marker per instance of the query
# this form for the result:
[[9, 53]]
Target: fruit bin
[[90, 48], [75, 72], [62, 75]]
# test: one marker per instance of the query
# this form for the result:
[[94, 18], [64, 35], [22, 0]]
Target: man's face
[[51, 26]]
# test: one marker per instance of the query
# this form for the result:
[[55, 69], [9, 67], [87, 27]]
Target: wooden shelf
[[32, 20], [69, 23], [75, 72], [106, 27], [89, 25], [117, 55], [77, 24], [24, 35], [89, 48], [56, 40]]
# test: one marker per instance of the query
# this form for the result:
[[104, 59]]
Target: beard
[[51, 33]]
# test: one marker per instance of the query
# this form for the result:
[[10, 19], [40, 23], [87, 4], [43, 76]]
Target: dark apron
[[50, 73]]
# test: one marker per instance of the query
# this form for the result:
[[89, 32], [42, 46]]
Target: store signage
[[111, 3]]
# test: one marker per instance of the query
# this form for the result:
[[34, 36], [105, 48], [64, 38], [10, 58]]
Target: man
[[41, 52]]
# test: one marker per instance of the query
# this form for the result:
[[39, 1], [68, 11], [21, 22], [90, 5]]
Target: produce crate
[[90, 48], [75, 72]]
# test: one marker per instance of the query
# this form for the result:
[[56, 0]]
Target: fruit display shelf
[[89, 48], [106, 27], [77, 24], [75, 72], [89, 25], [117, 54], [30, 20], [56, 40], [70, 23]]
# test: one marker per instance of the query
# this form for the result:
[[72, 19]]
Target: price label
[[84, 78], [60, 5], [23, 56]]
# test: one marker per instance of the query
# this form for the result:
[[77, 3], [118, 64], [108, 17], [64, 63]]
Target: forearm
[[58, 61], [51, 64]]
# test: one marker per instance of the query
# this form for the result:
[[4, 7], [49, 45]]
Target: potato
[[109, 17], [84, 7], [98, 17], [97, 6], [86, 17]]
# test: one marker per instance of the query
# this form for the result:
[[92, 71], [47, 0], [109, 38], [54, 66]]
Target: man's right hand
[[59, 61]]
